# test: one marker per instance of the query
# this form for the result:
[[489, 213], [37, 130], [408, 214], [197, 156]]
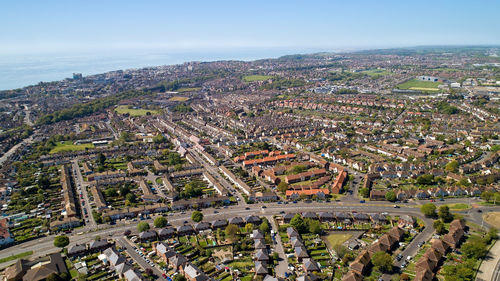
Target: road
[[14, 149], [490, 268], [82, 186], [214, 171], [129, 248], [282, 266]]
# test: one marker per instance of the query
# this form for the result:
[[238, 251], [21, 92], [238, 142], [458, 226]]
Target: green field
[[458, 206], [376, 72], [253, 78], [123, 109], [185, 90], [419, 85], [69, 146], [337, 239], [15, 257], [178, 98]]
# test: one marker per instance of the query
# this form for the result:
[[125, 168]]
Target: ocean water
[[19, 70]]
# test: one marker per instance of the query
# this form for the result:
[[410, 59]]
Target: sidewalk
[[486, 271]]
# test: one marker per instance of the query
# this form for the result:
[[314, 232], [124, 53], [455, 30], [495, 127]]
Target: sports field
[[69, 146], [253, 78], [492, 218], [123, 109], [177, 98], [419, 85]]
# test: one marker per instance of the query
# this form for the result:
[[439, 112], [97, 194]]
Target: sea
[[20, 70]]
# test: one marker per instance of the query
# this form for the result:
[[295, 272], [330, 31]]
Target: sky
[[31, 27]]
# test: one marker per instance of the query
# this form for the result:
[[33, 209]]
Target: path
[[489, 268]]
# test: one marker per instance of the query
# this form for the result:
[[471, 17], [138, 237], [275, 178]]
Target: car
[[215, 211], [399, 257], [403, 265], [441, 199], [432, 200], [396, 207], [294, 202], [361, 201], [247, 208], [420, 244], [185, 221], [479, 211], [225, 207], [263, 207], [279, 202], [282, 212]]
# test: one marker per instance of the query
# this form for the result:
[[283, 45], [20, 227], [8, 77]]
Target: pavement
[[490, 267], [282, 266], [81, 186], [129, 248]]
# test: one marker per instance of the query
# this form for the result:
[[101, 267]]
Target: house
[[252, 219], [237, 221], [352, 276], [44, 267], [301, 253], [308, 277], [201, 226], [310, 265], [406, 221], [98, 245], [185, 230], [259, 244], [6, 237], [454, 237], [163, 251], [424, 275], [177, 261], [397, 233], [424, 264], [291, 232], [261, 268], [310, 215], [261, 255], [288, 217], [361, 263], [166, 233], [377, 194], [256, 234], [326, 217], [219, 224], [149, 235], [77, 250], [271, 278], [440, 246], [112, 257], [16, 271], [132, 275]]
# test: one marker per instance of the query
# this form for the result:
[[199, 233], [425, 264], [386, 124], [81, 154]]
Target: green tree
[[492, 234], [264, 226], [428, 210], [314, 226], [383, 261], [130, 197], [365, 192], [160, 222], [179, 277], [142, 226], [475, 249], [231, 232], [283, 187], [299, 224], [61, 241], [426, 179], [390, 196], [439, 227], [452, 166], [197, 216], [444, 213], [459, 271], [101, 159]]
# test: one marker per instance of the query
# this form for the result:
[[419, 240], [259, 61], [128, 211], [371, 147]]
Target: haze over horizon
[[92, 26]]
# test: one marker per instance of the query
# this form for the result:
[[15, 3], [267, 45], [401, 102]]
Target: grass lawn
[[184, 90], [376, 72], [492, 218], [69, 146], [177, 98], [253, 78], [15, 257], [458, 206], [123, 109], [419, 85], [337, 239]]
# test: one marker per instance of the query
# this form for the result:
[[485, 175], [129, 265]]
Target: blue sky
[[43, 26]]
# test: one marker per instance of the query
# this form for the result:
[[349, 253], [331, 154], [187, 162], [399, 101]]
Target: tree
[[54, 277], [231, 232], [341, 250], [130, 197], [299, 224], [314, 226], [249, 227], [425, 179], [492, 234], [110, 192], [383, 261], [459, 271], [444, 213], [282, 187], [264, 226], [197, 216], [428, 210], [475, 249], [142, 226], [439, 227], [390, 196], [160, 222], [179, 277], [365, 192], [61, 241], [101, 159], [451, 166]]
